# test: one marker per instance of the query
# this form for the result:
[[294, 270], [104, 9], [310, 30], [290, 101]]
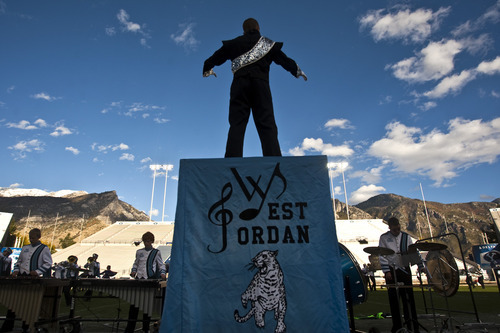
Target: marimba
[[147, 295], [24, 296]]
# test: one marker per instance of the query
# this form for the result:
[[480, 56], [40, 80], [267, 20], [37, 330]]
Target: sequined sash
[[263, 46]]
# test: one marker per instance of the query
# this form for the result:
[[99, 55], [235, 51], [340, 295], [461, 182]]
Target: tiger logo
[[266, 292]]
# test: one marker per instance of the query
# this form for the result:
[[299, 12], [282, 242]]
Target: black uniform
[[250, 91]]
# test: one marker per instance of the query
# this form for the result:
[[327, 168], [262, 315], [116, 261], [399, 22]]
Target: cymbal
[[378, 250], [427, 246]]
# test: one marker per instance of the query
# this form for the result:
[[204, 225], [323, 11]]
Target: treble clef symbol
[[222, 216]]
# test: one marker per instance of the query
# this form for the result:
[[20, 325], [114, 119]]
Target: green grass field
[[487, 302]]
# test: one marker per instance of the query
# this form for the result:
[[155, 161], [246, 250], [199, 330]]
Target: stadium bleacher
[[115, 245]]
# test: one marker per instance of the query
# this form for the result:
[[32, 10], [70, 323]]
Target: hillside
[[468, 220], [78, 216]]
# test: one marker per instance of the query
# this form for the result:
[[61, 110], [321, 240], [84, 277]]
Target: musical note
[[223, 216], [251, 213]]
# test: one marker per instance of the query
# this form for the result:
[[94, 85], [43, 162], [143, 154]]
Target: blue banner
[[254, 248], [478, 251]]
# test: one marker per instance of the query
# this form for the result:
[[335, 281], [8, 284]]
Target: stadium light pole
[[153, 167], [342, 166], [331, 166], [167, 168]]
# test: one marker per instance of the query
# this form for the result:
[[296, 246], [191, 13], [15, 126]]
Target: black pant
[[407, 301], [373, 284], [8, 324], [133, 312], [251, 94]]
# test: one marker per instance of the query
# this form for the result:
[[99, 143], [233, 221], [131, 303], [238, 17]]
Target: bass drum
[[443, 272], [357, 284]]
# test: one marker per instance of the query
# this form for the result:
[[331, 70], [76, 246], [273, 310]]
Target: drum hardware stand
[[423, 294], [397, 287], [350, 307], [450, 319]]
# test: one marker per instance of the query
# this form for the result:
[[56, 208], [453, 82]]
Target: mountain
[[468, 220], [77, 214], [22, 192], [74, 215]]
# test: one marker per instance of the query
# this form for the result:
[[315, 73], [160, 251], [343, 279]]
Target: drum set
[[439, 266]]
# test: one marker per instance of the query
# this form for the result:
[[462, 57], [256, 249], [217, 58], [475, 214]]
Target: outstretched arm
[[289, 64], [218, 58]]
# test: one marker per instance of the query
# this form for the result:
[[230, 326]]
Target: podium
[[254, 248]]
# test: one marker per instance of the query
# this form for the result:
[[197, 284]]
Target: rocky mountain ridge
[[471, 221], [70, 217], [76, 215]]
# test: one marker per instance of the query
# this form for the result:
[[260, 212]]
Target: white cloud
[[437, 155], [160, 120], [23, 147], [146, 160], [129, 26], [10, 89], [121, 146], [404, 24], [451, 84], [110, 31], [431, 63], [45, 96], [455, 83], [489, 67], [137, 109], [127, 157], [477, 45], [23, 124], [41, 123], [60, 131], [185, 36], [492, 15], [26, 125], [372, 175], [495, 94], [74, 150], [364, 193], [105, 148], [317, 145], [428, 105], [339, 123], [141, 107]]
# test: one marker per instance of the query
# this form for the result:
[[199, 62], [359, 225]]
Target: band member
[[93, 266], [251, 55], [35, 259], [148, 264], [68, 269], [108, 273], [5, 262], [396, 271]]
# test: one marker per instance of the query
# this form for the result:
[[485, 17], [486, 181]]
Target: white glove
[[210, 72]]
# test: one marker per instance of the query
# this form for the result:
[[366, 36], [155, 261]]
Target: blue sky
[[405, 92]]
